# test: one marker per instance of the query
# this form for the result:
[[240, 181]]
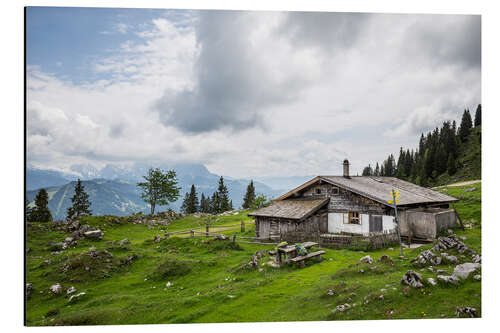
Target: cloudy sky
[[245, 93]]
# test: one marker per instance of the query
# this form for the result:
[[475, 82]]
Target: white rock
[[70, 290], [56, 288], [448, 279], [169, 284], [431, 281], [367, 259], [75, 297]]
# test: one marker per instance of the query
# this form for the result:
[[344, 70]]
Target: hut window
[[352, 218], [335, 190], [318, 191]]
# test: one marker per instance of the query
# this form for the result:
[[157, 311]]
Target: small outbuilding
[[355, 205]]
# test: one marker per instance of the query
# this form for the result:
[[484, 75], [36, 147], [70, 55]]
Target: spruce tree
[[215, 203], [185, 204], [203, 204], [451, 165], [223, 197], [249, 197], [79, 202], [477, 117], [192, 204], [465, 126], [41, 212], [377, 170]]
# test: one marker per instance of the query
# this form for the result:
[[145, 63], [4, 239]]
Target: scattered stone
[[168, 284], [220, 237], [29, 289], [466, 311], [231, 296], [412, 279], [157, 239], [47, 262], [425, 258], [391, 249], [445, 243], [450, 259], [361, 271], [70, 290], [431, 281], [381, 297], [94, 234], [342, 307], [367, 259], [76, 297], [386, 260], [464, 270], [441, 271], [52, 312], [477, 277], [124, 241], [56, 288], [472, 189], [476, 258], [448, 279], [383, 290]]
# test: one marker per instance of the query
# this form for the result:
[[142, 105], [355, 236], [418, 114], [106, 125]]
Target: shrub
[[171, 267]]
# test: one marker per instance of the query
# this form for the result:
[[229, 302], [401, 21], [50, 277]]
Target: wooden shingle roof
[[379, 189], [290, 209]]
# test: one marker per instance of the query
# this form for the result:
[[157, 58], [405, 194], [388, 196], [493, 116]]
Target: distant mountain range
[[113, 189]]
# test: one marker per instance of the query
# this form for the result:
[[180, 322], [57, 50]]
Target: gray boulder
[[464, 270], [124, 241], [448, 279], [412, 279], [431, 281], [466, 311], [94, 234]]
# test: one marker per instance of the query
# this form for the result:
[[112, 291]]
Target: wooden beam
[[458, 217]]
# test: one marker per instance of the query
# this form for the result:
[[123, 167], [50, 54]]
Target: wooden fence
[[346, 240]]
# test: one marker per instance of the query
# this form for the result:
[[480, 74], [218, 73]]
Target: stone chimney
[[346, 168]]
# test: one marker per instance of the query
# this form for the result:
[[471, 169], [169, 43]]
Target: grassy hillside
[[208, 284], [469, 160]]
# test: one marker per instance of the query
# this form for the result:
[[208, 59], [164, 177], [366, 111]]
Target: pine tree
[[465, 126], [249, 197], [223, 197], [204, 204], [185, 204], [477, 117], [79, 202], [451, 165], [231, 205], [215, 204], [192, 204], [377, 170], [41, 212]]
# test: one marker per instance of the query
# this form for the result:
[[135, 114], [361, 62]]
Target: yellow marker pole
[[396, 218]]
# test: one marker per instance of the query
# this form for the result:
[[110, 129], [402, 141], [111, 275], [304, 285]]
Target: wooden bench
[[301, 259]]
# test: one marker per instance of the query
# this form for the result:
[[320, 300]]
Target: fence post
[[242, 226], [234, 237], [207, 229], [192, 232]]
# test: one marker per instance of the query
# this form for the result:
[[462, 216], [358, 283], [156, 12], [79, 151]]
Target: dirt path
[[469, 182]]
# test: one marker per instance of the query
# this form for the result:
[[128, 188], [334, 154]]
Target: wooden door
[[376, 223]]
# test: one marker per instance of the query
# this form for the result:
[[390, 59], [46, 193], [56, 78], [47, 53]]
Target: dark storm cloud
[[327, 31], [445, 40], [231, 87], [233, 84]]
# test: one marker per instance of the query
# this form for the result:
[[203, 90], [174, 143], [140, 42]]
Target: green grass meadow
[[209, 285]]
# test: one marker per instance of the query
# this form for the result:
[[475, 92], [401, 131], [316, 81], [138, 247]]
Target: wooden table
[[290, 251]]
